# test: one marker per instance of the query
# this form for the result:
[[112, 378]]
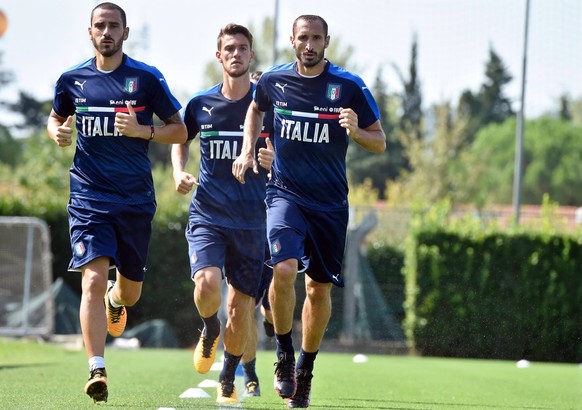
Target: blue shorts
[[263, 293], [315, 238], [119, 231], [240, 253]]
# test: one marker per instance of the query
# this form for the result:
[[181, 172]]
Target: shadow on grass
[[382, 405], [20, 365]]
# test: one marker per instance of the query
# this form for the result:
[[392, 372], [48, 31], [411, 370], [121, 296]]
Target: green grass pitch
[[45, 376]]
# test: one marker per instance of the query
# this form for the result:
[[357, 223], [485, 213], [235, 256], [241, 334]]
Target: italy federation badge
[[333, 91], [131, 85]]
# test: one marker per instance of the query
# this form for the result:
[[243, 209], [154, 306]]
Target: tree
[[496, 107], [435, 161], [552, 159], [409, 131], [378, 169], [565, 112], [489, 105], [411, 101], [33, 111], [469, 110], [9, 148], [41, 177], [6, 77], [263, 46], [576, 107]]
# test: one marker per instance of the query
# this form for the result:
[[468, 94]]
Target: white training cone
[[360, 358], [207, 383], [194, 393], [523, 364]]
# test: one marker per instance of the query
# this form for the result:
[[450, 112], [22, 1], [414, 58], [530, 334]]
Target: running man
[[318, 108], [248, 361], [226, 225], [112, 202]]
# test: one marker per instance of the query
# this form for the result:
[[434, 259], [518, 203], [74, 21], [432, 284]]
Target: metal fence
[[26, 300]]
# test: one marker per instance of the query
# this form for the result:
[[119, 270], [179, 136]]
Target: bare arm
[[371, 138], [252, 130], [59, 129], [183, 180], [173, 132]]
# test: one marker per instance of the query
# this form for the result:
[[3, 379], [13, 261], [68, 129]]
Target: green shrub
[[503, 295]]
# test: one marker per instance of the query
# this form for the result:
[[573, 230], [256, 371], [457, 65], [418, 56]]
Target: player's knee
[[207, 282], [94, 284], [285, 272], [317, 291], [242, 303]]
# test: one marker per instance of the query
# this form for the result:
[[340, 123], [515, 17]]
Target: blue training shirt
[[309, 143], [220, 199], [108, 166]]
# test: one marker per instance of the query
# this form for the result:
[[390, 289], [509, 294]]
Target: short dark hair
[[255, 75], [232, 29], [311, 17], [111, 6]]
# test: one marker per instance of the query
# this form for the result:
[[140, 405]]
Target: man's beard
[[108, 52], [310, 63], [237, 74]]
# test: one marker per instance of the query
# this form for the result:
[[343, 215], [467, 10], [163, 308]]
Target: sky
[[45, 37]]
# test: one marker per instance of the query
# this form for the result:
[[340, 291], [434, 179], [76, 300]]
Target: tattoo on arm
[[174, 119]]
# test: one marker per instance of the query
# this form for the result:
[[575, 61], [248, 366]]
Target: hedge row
[[499, 296]]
